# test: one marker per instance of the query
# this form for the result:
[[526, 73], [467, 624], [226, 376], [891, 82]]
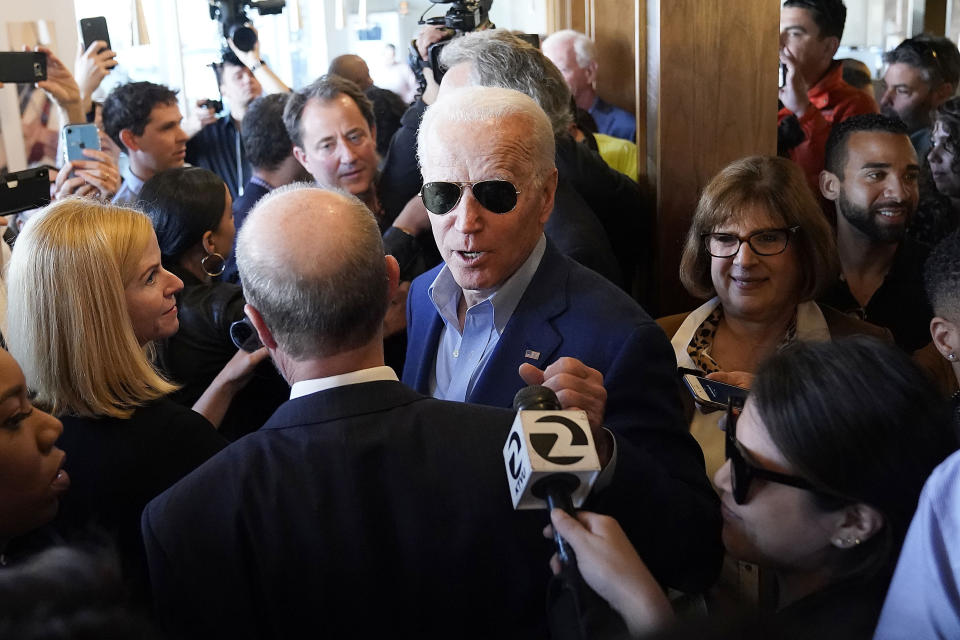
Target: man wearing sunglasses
[[872, 175], [814, 93], [507, 309], [922, 74]]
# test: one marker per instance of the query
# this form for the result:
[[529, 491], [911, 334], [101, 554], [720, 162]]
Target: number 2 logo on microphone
[[557, 445]]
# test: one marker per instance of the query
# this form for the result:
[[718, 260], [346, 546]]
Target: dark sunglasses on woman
[[742, 472]]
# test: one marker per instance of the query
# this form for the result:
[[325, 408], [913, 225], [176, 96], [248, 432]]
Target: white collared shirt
[[374, 374]]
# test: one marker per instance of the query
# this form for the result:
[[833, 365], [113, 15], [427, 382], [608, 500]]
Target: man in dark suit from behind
[[361, 508]]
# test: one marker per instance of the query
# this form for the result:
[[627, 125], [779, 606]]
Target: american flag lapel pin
[[530, 354]]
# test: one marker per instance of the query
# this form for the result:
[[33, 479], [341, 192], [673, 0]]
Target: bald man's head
[[312, 264], [353, 68]]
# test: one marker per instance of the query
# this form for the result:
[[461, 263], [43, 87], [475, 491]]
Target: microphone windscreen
[[536, 398]]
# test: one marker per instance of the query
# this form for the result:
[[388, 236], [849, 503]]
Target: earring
[[846, 543], [213, 264], [952, 357]]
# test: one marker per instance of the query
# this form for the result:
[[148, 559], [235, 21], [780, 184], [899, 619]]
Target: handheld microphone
[[550, 457]]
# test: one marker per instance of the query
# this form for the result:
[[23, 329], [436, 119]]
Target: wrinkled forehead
[[490, 147]]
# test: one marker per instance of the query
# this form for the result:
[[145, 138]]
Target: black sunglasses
[[742, 472], [496, 196]]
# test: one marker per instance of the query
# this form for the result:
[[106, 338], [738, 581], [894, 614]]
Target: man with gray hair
[[922, 74], [361, 507], [507, 309], [576, 56], [588, 190]]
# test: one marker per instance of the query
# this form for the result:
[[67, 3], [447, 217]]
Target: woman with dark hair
[[939, 210], [824, 468], [191, 211]]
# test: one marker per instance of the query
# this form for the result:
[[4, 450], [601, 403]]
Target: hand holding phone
[[712, 394], [93, 65], [77, 137], [94, 29], [61, 87]]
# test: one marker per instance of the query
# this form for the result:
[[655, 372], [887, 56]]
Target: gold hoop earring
[[213, 264]]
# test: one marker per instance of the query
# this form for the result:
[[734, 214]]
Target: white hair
[[473, 105], [583, 47]]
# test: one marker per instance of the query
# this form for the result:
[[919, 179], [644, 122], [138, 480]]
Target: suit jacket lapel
[[529, 335], [424, 339]]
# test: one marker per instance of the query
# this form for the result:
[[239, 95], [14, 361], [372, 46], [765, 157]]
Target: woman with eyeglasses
[[758, 250], [190, 208], [824, 468]]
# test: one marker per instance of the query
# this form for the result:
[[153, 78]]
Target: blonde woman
[[87, 296]]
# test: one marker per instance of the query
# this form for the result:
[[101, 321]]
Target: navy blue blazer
[[362, 511], [660, 491]]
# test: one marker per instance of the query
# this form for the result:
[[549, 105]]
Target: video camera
[[463, 17], [232, 16]]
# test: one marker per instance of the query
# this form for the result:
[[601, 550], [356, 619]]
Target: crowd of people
[[266, 371]]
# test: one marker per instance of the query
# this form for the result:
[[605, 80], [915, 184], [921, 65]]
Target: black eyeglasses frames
[[765, 242]]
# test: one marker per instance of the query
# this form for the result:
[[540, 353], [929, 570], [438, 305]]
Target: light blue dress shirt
[[924, 596], [461, 356], [129, 191]]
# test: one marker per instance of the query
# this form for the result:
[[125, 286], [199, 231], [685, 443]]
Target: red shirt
[[831, 100]]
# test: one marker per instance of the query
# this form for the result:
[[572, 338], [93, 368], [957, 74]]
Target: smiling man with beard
[[872, 175]]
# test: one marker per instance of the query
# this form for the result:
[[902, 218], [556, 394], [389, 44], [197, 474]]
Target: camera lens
[[244, 38]]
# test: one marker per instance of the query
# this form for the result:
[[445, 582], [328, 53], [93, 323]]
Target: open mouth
[[61, 480], [891, 213]]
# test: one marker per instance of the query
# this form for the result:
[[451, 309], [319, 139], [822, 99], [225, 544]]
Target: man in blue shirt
[[575, 56], [507, 309], [144, 119]]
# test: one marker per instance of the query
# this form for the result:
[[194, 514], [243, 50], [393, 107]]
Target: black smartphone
[[23, 190], [23, 66], [93, 29], [783, 75], [712, 394]]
